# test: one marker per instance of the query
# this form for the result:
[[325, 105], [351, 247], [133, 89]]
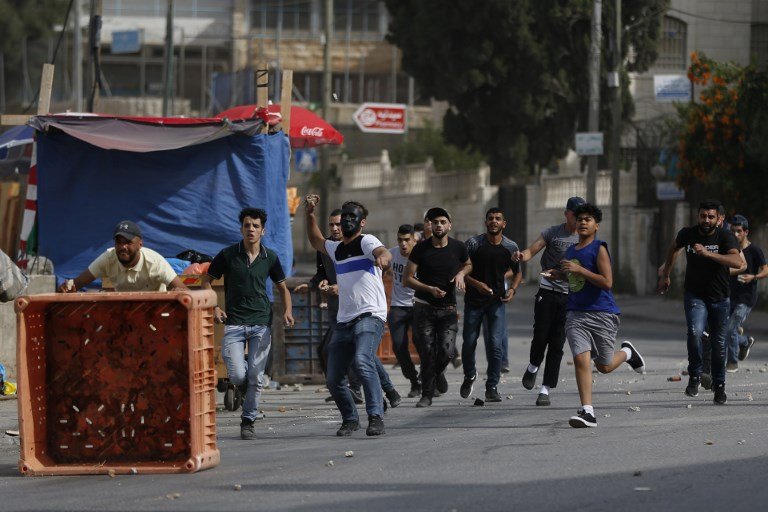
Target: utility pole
[[94, 53], [594, 98], [77, 57], [168, 75], [326, 101], [615, 83]]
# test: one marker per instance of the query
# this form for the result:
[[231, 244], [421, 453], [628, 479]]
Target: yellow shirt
[[152, 273]]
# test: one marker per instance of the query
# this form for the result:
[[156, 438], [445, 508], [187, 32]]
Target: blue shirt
[[584, 296]]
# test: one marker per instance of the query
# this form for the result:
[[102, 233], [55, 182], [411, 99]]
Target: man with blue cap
[[551, 301]]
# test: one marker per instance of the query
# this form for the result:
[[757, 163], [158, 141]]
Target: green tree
[[429, 142], [515, 72], [33, 20], [723, 138]]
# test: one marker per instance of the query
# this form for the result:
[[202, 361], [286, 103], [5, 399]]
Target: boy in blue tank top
[[593, 316]]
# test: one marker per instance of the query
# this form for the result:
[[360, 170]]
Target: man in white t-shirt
[[129, 265], [400, 318], [359, 260]]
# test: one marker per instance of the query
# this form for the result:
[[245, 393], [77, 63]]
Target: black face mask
[[351, 218]]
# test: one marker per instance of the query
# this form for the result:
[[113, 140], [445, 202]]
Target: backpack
[[13, 282]]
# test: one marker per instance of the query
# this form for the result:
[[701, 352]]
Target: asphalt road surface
[[654, 448]]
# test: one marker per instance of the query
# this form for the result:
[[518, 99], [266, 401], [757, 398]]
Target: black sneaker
[[394, 397], [357, 396], [744, 349], [247, 430], [693, 386], [375, 426], [425, 401], [636, 361], [467, 385], [441, 384], [492, 395], [347, 427], [543, 399], [720, 397], [415, 389], [582, 420], [529, 379]]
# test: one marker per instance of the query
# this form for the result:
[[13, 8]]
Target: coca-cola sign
[[311, 131], [381, 117]]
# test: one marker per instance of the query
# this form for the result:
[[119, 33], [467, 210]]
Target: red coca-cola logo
[[311, 132]]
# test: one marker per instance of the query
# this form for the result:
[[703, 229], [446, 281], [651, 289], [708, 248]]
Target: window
[[672, 46], [296, 15], [758, 47]]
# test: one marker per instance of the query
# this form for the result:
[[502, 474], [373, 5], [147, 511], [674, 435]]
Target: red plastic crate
[[121, 382]]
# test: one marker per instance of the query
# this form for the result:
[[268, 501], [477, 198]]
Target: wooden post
[[46, 88], [262, 86], [285, 100]]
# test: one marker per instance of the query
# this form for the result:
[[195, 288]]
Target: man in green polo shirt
[[245, 267]]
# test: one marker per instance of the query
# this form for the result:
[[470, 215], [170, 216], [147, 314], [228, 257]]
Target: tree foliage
[[515, 72], [428, 142], [723, 138], [30, 19]]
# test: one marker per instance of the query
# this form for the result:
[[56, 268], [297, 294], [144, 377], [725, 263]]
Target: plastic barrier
[[116, 383]]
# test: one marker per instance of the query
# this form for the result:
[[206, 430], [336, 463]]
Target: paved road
[[453, 456]]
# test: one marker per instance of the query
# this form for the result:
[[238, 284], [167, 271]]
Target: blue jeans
[[504, 340], [701, 314], [494, 352], [354, 344], [739, 313], [240, 371]]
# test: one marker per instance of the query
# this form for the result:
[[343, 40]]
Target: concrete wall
[[38, 284]]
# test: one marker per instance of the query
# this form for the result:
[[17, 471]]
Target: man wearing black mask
[[359, 260]]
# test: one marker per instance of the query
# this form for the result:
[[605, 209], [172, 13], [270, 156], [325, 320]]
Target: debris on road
[[741, 441], [637, 473], [689, 406], [709, 441], [642, 489], [238, 487], [509, 397], [12, 433], [173, 496], [298, 387], [479, 402], [329, 464], [349, 453], [111, 473], [674, 378], [634, 408], [281, 408]]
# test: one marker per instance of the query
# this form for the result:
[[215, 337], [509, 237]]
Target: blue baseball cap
[[573, 202]]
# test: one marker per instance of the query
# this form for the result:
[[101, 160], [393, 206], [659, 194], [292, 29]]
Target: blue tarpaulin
[[186, 198]]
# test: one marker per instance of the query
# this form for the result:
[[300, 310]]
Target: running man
[[550, 303], [400, 318], [436, 269], [710, 251], [487, 295], [743, 294]]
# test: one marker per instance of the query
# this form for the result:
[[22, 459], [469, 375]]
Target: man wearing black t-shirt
[[487, 294], [441, 263], [743, 294], [710, 251]]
